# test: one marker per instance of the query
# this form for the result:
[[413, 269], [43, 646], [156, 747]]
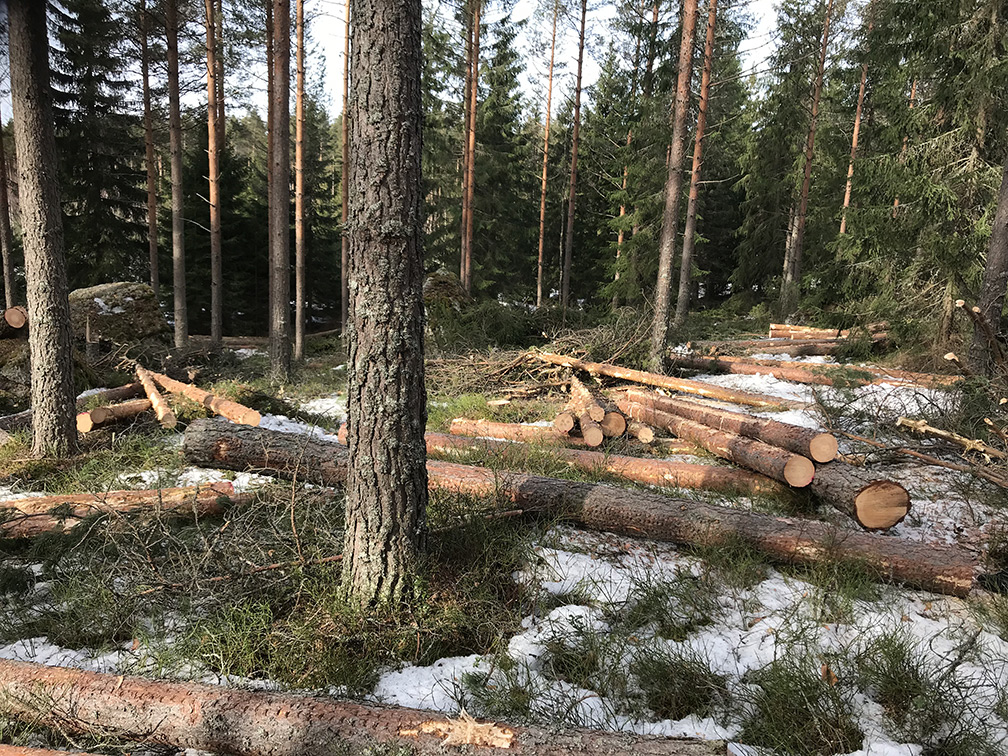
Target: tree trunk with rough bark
[[345, 179], [52, 385], [640, 514], [258, 723], [150, 164], [279, 180], [213, 152], [469, 16], [572, 189], [791, 283], [386, 500], [689, 234], [299, 198], [995, 281], [673, 188], [540, 269], [471, 165], [854, 137], [177, 197], [22, 420], [6, 236]]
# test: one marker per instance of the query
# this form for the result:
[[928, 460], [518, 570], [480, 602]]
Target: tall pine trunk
[[279, 206], [854, 138], [995, 281], [6, 236], [540, 270], [572, 189], [673, 188], [152, 229], [49, 338], [471, 166], [386, 487], [345, 179], [177, 199], [299, 209], [213, 153], [791, 283], [466, 96], [689, 234]]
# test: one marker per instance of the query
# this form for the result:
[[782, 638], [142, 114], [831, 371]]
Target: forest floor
[[521, 621]]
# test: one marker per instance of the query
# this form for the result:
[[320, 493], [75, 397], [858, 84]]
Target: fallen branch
[[260, 723], [233, 411], [161, 409], [667, 382], [604, 507], [968, 444]]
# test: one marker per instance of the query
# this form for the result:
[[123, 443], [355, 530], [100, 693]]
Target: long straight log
[[30, 517], [260, 723], [871, 500], [233, 411], [641, 514], [653, 472], [771, 461], [787, 331], [667, 382], [583, 402], [163, 412], [820, 447], [113, 413], [23, 420], [9, 750], [544, 434]]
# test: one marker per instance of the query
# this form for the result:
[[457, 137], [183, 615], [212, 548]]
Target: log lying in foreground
[[260, 723], [23, 420], [163, 412], [461, 426], [871, 500], [771, 461], [667, 382], [9, 750], [653, 472], [30, 517], [113, 413], [820, 447], [642, 514], [233, 411]]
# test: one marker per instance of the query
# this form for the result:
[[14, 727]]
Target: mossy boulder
[[120, 313]]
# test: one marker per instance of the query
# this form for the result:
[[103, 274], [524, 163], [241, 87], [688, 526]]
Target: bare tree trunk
[[219, 59], [213, 152], [906, 140], [471, 166], [386, 501], [269, 141], [299, 209], [178, 201], [152, 231], [792, 273], [572, 189], [854, 137], [279, 223], [540, 272], [6, 237], [345, 179], [673, 187], [689, 235], [466, 97], [52, 386], [995, 281]]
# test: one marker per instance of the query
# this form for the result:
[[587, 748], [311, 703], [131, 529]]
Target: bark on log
[[820, 447], [652, 472], [584, 402], [233, 411], [641, 432], [667, 382], [543, 434], [9, 750], [787, 331], [30, 517], [164, 414], [114, 413], [872, 501], [642, 514], [23, 420], [591, 431], [775, 463], [260, 723]]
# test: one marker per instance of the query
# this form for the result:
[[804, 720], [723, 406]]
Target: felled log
[[260, 723], [9, 750], [233, 411], [968, 444], [667, 382], [613, 424], [163, 412], [771, 461], [603, 507], [22, 420], [591, 431], [30, 517], [820, 447], [565, 420], [871, 500], [641, 432], [653, 472], [89, 420], [787, 331], [583, 402], [14, 322], [544, 434]]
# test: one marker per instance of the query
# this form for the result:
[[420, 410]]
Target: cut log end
[[881, 504], [823, 447], [799, 471], [591, 431], [16, 317], [641, 432], [613, 424], [564, 422]]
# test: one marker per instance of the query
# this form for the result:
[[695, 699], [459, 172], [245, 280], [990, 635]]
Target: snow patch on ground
[[334, 406], [285, 424], [247, 352]]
